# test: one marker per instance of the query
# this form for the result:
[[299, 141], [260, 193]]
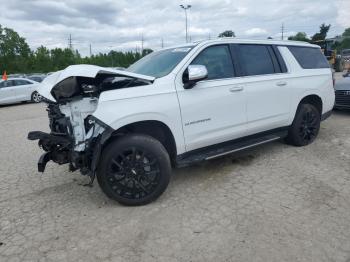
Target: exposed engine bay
[[76, 136]]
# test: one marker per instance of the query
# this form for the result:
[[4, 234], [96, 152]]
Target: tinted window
[[36, 78], [7, 83], [160, 63], [21, 82], [256, 60], [281, 65], [309, 58], [218, 61]]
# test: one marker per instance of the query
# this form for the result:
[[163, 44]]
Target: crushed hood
[[83, 71]]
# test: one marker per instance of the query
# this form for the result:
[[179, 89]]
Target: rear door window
[[257, 60], [309, 57]]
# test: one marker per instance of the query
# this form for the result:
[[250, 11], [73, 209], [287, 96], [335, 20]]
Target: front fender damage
[[76, 137], [58, 149]]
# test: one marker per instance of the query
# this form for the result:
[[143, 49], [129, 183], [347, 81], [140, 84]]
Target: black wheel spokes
[[133, 174], [308, 126]]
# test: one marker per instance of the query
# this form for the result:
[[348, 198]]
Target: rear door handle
[[281, 83], [236, 89]]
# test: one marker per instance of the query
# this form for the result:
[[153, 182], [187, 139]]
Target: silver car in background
[[342, 93], [37, 78], [15, 90]]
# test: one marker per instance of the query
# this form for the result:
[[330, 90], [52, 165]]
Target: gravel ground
[[276, 203]]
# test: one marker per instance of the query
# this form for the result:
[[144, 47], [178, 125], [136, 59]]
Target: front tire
[[36, 97], [134, 170], [305, 127]]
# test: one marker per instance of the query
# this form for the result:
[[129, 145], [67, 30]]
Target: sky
[[121, 24]]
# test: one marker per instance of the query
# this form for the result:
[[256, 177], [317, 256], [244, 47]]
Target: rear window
[[308, 57], [22, 82], [256, 59]]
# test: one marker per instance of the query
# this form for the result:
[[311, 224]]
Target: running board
[[230, 147]]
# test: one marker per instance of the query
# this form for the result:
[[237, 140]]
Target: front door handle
[[281, 83], [236, 89]]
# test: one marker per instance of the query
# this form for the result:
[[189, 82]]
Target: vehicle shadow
[[15, 104]]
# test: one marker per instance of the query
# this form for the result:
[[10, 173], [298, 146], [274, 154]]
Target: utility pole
[[185, 8], [142, 40], [282, 31], [90, 51], [111, 53], [70, 45], [162, 43]]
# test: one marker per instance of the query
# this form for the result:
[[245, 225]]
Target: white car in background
[[16, 90]]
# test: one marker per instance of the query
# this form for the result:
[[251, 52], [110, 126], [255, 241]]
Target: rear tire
[[134, 170], [36, 97], [305, 127]]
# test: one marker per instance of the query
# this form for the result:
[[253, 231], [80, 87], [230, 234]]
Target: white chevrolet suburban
[[179, 106]]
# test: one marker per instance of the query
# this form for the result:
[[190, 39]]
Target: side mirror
[[194, 74]]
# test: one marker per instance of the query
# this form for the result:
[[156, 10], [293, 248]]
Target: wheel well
[[155, 129], [314, 100]]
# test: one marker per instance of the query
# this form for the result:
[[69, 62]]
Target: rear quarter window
[[309, 57]]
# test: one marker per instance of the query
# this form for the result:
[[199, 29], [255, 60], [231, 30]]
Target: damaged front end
[[76, 136], [73, 136]]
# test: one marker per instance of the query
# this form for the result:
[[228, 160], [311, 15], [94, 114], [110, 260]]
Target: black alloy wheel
[[133, 173], [134, 170], [309, 126], [305, 127]]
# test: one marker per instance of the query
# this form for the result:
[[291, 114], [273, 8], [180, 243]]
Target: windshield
[[160, 63]]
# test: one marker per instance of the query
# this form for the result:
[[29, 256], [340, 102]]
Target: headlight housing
[[66, 88]]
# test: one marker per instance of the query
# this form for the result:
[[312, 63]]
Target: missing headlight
[[66, 88]]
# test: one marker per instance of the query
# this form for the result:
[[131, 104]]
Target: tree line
[[342, 41], [17, 57]]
